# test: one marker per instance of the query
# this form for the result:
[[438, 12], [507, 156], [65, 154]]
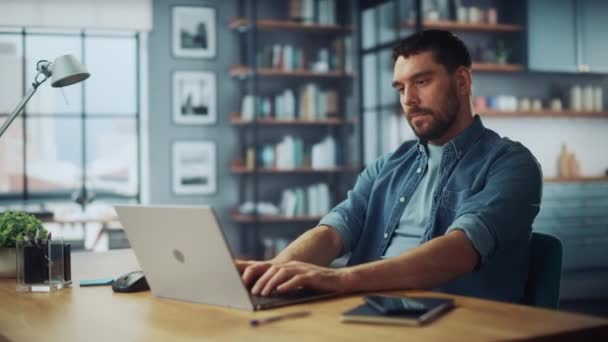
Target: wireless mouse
[[131, 282]]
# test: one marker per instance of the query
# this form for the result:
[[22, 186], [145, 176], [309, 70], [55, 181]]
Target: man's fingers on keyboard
[[296, 282], [279, 277], [241, 265], [260, 284], [252, 272]]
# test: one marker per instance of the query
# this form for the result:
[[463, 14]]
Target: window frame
[[26, 196]]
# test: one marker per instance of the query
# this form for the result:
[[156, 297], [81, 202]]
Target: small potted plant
[[14, 225]]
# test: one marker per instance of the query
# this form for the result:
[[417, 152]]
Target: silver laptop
[[184, 255]]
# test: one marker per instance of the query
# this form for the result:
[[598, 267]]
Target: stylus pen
[[258, 322]]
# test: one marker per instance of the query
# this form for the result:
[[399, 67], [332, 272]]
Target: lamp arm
[[21, 104]]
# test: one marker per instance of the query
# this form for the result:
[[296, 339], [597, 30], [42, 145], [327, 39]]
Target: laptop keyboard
[[276, 299]]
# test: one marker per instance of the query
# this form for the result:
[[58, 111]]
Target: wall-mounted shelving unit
[[452, 25], [241, 71], [236, 119], [277, 56], [497, 67], [243, 24]]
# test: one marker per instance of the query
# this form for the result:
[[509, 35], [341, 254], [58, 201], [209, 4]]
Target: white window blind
[[78, 14]]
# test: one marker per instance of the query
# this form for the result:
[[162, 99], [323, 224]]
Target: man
[[451, 211]]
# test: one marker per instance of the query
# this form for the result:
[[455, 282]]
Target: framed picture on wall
[[194, 168], [194, 97], [193, 32]]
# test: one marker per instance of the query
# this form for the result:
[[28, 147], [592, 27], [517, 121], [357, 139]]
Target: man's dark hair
[[447, 49]]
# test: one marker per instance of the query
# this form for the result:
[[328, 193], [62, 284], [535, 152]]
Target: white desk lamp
[[65, 70]]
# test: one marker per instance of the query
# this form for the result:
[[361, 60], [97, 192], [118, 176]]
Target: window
[[81, 139]]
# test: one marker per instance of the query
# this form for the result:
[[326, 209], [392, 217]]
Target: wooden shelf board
[[271, 25], [584, 179], [541, 113], [457, 26], [249, 218], [240, 168], [245, 71], [478, 66], [235, 119]]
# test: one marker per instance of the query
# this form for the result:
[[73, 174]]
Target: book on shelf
[[324, 154], [262, 208], [318, 199], [289, 58], [313, 11], [348, 54], [310, 201], [285, 105], [314, 200], [300, 209], [291, 153], [312, 103], [250, 158], [315, 103], [327, 12], [308, 11], [322, 63], [267, 156], [288, 203], [295, 10], [248, 107], [288, 152], [281, 57]]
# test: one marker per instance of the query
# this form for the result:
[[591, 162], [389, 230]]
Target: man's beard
[[442, 121]]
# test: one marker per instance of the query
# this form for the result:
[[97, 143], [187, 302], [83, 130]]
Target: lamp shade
[[67, 70]]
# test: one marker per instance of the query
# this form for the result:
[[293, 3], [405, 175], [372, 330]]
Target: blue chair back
[[544, 274]]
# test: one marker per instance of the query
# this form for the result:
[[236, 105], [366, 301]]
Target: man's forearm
[[435, 262], [319, 246]]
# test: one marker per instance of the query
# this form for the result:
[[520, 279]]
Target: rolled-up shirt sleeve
[[348, 217], [503, 211]]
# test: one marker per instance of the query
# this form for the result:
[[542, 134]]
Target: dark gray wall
[[163, 132]]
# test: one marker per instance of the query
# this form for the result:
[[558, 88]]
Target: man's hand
[[290, 276], [251, 270]]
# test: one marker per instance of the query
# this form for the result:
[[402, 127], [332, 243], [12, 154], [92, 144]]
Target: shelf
[[495, 67], [451, 25], [241, 169], [586, 179], [242, 71], [250, 218], [235, 119], [542, 113], [242, 24]]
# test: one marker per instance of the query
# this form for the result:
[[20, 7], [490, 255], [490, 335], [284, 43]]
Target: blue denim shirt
[[489, 187]]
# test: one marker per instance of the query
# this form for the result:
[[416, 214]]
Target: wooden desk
[[98, 314]]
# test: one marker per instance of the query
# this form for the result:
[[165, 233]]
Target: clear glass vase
[[40, 266]]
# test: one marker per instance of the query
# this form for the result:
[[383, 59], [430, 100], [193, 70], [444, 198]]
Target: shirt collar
[[462, 141]]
